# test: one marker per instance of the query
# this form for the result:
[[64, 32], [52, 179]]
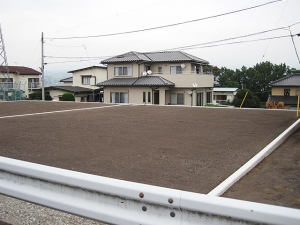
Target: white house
[[82, 84], [165, 78], [18, 83]]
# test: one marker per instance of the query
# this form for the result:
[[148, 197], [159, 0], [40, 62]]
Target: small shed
[[223, 94]]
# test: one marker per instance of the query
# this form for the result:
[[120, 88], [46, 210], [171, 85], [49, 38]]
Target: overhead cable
[[165, 26]]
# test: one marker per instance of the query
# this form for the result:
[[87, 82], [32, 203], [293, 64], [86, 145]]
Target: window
[[208, 97], [147, 68], [177, 99], [144, 96], [85, 79], [119, 97], [123, 71], [286, 92], [176, 69], [149, 96], [8, 82], [159, 70]]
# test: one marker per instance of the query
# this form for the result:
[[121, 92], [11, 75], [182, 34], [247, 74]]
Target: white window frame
[[123, 70], [85, 80], [174, 98], [160, 70], [119, 98], [175, 70]]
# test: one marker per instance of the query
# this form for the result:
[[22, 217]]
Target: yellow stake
[[298, 105], [244, 99]]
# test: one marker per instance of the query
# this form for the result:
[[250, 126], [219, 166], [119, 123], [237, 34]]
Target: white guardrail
[[121, 202]]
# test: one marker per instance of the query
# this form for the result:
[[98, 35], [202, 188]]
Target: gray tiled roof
[[91, 67], [291, 80], [68, 79], [73, 89], [138, 81], [167, 56]]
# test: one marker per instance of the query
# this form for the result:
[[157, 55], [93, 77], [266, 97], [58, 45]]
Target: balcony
[[34, 85], [9, 85]]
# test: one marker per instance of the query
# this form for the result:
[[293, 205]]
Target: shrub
[[67, 97], [37, 95], [251, 100]]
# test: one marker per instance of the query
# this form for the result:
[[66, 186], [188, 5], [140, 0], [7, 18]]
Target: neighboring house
[[67, 81], [19, 82], [81, 94], [165, 78], [82, 84], [286, 90], [224, 94]]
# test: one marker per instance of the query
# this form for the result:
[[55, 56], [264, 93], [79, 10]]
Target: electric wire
[[189, 48], [273, 32], [164, 26]]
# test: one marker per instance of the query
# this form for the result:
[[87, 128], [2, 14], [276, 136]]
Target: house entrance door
[[199, 99], [156, 97]]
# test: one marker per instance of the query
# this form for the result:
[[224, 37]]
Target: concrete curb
[[242, 171]]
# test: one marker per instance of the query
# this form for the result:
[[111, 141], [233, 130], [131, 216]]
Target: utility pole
[[42, 69]]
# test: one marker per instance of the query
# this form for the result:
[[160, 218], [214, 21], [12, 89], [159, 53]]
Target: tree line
[[255, 79]]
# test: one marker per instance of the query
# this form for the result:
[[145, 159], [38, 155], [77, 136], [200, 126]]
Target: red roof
[[22, 70]]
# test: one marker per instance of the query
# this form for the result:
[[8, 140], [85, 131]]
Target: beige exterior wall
[[183, 83], [279, 91], [97, 75], [56, 94], [186, 79], [135, 95], [23, 81]]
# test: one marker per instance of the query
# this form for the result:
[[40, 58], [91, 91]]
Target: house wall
[[97, 75], [279, 91], [23, 81], [229, 96], [135, 94], [68, 83], [56, 94]]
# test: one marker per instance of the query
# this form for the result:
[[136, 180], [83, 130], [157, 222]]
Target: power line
[[208, 46], [227, 39], [238, 42], [165, 26]]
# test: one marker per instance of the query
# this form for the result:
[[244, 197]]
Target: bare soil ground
[[188, 148]]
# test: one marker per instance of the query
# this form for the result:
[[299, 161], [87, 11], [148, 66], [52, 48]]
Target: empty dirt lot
[[187, 148]]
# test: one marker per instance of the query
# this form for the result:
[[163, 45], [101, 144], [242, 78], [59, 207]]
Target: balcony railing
[[9, 85], [182, 72], [34, 85]]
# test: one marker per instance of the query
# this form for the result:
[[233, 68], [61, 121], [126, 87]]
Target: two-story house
[[82, 84], [18, 83], [286, 90], [165, 78]]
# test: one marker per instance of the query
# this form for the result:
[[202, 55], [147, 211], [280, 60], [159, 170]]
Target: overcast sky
[[23, 22]]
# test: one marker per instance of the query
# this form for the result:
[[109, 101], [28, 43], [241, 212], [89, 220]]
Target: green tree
[[67, 97], [256, 78], [251, 100]]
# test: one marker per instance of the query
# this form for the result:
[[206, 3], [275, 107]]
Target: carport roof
[[73, 89], [138, 81]]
